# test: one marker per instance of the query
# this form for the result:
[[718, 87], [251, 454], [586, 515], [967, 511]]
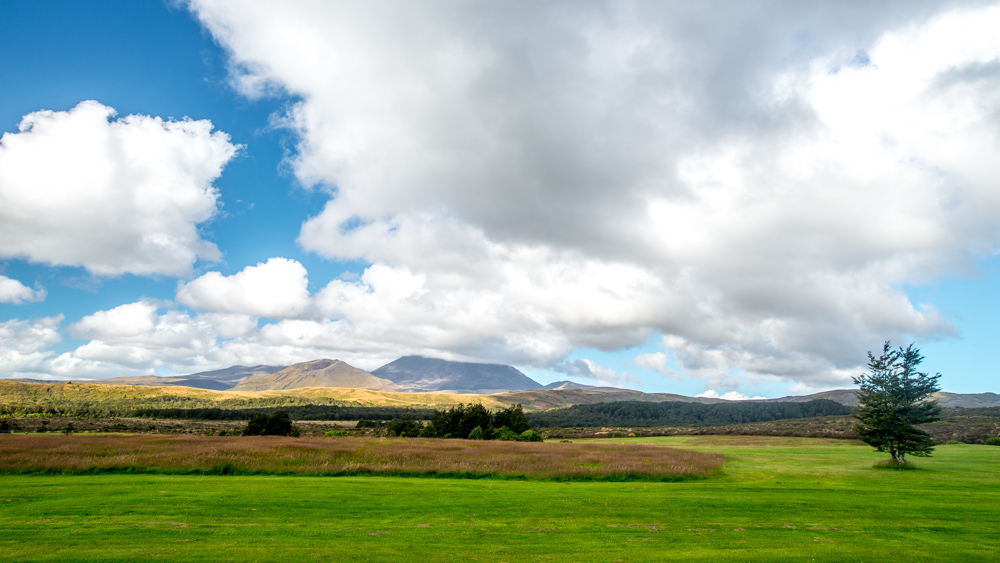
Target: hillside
[[560, 385], [417, 373], [543, 399], [318, 373], [669, 413], [944, 398], [215, 380], [20, 397]]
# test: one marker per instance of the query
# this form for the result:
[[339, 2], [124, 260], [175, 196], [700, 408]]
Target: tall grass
[[348, 456]]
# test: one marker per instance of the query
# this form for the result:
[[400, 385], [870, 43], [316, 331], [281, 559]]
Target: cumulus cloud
[[729, 396], [753, 183], [588, 369], [25, 345], [278, 288], [13, 291], [78, 188], [657, 361]]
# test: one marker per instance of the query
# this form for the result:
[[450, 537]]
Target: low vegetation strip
[[349, 456], [634, 413], [82, 399]]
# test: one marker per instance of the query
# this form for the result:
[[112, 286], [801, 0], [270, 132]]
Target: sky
[[732, 199]]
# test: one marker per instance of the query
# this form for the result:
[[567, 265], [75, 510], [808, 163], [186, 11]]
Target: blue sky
[[664, 198]]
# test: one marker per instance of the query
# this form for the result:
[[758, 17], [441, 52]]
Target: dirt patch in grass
[[348, 456]]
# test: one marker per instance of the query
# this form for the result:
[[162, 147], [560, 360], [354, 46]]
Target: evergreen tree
[[891, 403], [513, 418]]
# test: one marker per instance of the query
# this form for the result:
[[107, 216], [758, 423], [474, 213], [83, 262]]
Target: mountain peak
[[317, 373], [419, 373]]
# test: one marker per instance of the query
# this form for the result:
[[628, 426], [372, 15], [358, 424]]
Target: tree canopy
[[892, 401]]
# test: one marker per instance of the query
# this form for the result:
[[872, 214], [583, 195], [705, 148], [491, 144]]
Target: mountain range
[[418, 374]]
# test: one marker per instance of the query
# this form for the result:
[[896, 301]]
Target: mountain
[[318, 373], [420, 374], [235, 374], [215, 380], [560, 385]]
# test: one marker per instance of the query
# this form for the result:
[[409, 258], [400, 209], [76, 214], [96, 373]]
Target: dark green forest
[[634, 413], [473, 421]]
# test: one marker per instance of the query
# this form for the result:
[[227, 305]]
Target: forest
[[635, 413]]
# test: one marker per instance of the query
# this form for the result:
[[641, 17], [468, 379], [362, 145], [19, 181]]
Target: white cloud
[[604, 376], [729, 396], [13, 291], [278, 288], [24, 345], [530, 179], [118, 196], [657, 361]]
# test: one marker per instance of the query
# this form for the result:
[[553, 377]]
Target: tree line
[[635, 413], [472, 422]]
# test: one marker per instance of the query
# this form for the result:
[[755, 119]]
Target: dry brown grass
[[339, 456]]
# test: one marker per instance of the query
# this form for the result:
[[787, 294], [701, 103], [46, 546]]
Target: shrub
[[530, 436], [277, 424], [5, 427], [334, 433], [477, 434], [616, 435], [505, 434], [429, 432], [993, 441], [68, 429]]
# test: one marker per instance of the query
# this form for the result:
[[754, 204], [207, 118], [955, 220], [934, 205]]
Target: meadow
[[179, 454], [779, 499]]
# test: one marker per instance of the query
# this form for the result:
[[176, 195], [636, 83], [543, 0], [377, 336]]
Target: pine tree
[[892, 403]]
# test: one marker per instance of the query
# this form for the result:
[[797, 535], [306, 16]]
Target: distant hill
[[235, 374], [420, 374], [944, 398], [543, 399], [215, 380], [559, 385], [318, 373]]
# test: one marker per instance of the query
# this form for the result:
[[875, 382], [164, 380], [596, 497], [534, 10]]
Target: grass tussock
[[217, 455]]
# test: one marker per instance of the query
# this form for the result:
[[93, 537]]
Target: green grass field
[[784, 499]]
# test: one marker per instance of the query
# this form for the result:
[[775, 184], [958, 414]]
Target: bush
[[68, 429], [993, 441], [429, 432], [335, 433], [5, 427], [277, 424], [405, 426], [477, 434], [505, 434], [530, 436], [616, 435]]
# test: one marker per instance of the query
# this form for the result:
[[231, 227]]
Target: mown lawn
[[776, 499]]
